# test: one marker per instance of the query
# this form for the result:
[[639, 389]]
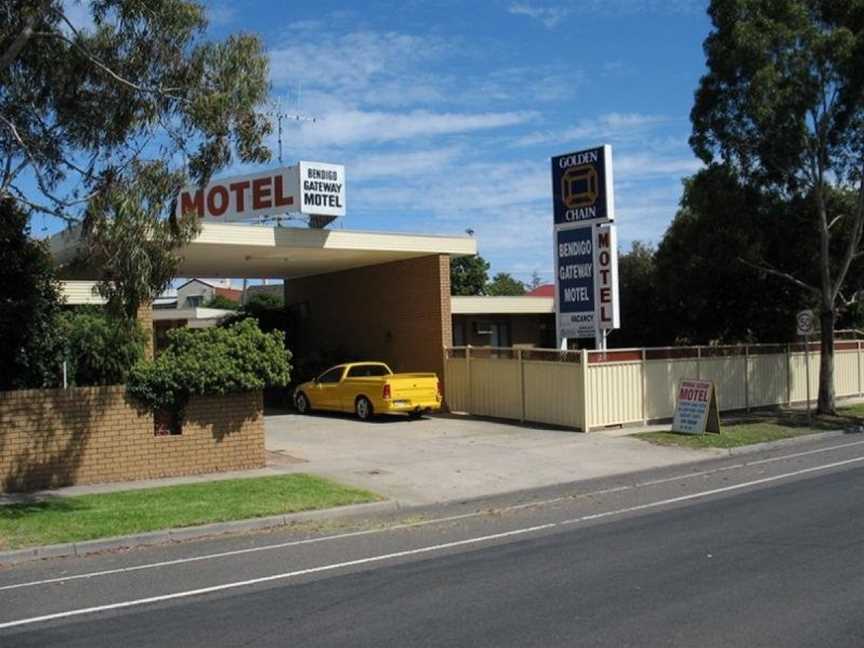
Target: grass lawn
[[760, 428], [87, 517]]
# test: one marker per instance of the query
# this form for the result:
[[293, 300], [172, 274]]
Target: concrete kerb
[[86, 547]]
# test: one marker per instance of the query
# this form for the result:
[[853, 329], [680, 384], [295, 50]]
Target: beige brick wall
[[396, 312], [86, 435]]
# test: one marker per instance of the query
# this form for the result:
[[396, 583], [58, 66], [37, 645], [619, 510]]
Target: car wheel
[[301, 402], [363, 408]]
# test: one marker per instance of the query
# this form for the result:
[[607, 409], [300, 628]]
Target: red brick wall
[[396, 312], [86, 435]]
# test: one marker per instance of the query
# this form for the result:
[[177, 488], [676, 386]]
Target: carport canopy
[[260, 252]]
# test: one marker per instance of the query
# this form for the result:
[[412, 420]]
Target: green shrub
[[218, 360], [99, 349]]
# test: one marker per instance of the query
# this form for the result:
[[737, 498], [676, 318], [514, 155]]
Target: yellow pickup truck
[[369, 388]]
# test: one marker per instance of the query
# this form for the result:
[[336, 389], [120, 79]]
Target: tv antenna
[[278, 114]]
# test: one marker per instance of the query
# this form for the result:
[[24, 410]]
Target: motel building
[[381, 296]]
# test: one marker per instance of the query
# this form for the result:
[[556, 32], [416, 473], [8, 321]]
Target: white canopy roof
[[258, 251]]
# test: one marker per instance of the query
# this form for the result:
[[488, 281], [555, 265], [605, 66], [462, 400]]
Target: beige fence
[[591, 389]]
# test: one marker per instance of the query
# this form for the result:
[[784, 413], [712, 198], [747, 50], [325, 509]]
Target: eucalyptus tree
[[782, 104], [86, 106]]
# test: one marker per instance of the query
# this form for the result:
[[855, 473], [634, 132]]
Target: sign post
[[586, 247], [805, 321]]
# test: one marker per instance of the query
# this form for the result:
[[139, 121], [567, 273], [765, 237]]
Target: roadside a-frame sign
[[696, 409]]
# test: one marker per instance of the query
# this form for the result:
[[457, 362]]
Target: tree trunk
[[826, 365]]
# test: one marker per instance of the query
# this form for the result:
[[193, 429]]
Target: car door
[[326, 391]]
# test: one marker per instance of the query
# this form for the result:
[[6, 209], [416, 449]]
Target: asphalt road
[[765, 551]]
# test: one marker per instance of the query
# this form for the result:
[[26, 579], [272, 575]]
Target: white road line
[[713, 491], [452, 518], [274, 577], [418, 551]]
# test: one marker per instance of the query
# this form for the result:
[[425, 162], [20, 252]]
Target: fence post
[[859, 368], [788, 375], [583, 362], [746, 377], [698, 363], [644, 389], [469, 400], [521, 381]]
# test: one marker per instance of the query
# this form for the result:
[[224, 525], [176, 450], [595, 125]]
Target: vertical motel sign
[[586, 245]]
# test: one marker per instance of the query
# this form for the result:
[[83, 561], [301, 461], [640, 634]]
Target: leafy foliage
[[99, 349], [215, 360], [469, 275], [503, 284], [78, 105], [30, 302], [222, 302], [129, 243]]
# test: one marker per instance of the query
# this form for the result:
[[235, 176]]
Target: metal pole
[[521, 381], [746, 378], [807, 370], [65, 383], [470, 398], [644, 389]]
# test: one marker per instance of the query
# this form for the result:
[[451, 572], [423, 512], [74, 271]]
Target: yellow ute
[[368, 388]]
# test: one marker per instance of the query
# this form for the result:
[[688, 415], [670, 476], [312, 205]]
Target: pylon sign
[[582, 186], [586, 245]]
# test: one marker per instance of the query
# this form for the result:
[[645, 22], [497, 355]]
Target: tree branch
[[21, 39], [853, 243], [783, 275]]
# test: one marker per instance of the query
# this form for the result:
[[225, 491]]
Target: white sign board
[[806, 323], [696, 410], [314, 188], [606, 277]]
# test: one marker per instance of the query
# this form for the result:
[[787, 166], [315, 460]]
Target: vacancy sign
[[315, 188], [696, 410]]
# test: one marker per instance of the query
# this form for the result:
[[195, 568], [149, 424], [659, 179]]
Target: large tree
[[504, 284], [783, 104], [468, 275], [105, 122], [30, 352]]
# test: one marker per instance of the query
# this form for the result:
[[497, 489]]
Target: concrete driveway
[[443, 458]]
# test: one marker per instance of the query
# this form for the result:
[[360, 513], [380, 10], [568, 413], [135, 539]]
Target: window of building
[[194, 301]]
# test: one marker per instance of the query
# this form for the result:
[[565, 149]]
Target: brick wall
[[396, 312], [86, 435], [145, 319]]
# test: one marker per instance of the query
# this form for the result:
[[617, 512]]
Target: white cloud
[[356, 126], [642, 165], [611, 127], [402, 164], [549, 16]]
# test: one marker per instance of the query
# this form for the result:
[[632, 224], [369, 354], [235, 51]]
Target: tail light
[[440, 392], [386, 393]]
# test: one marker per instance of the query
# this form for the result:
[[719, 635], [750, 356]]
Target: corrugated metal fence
[[591, 389]]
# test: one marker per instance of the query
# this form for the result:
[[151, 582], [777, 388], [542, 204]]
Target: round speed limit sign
[[806, 322]]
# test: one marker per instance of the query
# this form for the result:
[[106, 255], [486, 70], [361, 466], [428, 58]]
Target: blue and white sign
[[582, 187], [574, 282]]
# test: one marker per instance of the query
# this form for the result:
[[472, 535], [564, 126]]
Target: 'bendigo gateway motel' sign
[[315, 188]]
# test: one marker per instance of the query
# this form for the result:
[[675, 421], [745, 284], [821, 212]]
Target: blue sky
[[446, 113]]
